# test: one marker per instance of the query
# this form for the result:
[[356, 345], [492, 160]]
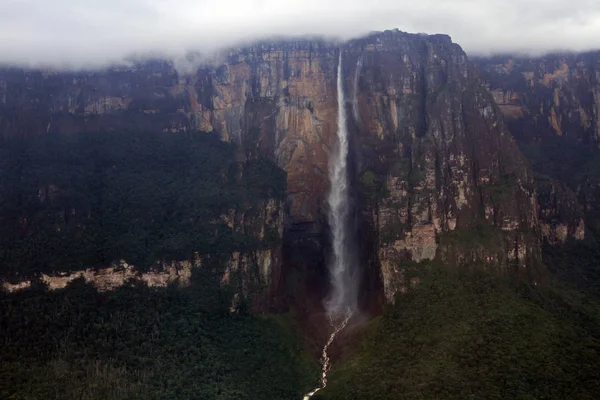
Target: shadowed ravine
[[341, 304]]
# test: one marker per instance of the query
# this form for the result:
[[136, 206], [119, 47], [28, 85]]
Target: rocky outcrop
[[117, 275], [248, 274], [430, 152], [255, 274]]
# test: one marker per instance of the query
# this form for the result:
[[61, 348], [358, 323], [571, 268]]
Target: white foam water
[[357, 72], [342, 265], [325, 360]]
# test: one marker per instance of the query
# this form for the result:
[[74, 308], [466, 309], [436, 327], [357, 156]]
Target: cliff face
[[552, 106], [440, 173], [434, 167], [555, 95], [276, 100]]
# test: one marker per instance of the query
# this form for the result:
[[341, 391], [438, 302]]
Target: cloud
[[97, 32]]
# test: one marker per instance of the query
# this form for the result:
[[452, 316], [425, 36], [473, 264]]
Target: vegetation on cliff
[[76, 201], [567, 177]]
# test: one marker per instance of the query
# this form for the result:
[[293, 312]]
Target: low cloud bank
[[93, 33]]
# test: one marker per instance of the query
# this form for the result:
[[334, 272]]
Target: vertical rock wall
[[431, 156]]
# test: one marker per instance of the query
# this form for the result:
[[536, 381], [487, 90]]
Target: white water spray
[[342, 302], [342, 266], [359, 64]]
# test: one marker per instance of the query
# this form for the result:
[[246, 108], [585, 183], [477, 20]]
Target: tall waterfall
[[342, 268], [359, 64], [342, 301]]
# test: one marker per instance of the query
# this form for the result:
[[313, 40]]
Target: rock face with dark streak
[[435, 171], [442, 175], [552, 107]]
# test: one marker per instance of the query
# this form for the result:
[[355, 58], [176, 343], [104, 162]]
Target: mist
[[100, 32]]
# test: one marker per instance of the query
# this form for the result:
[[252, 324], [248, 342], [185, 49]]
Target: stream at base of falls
[[325, 360]]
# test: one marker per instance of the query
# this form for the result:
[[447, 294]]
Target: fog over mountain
[[96, 32]]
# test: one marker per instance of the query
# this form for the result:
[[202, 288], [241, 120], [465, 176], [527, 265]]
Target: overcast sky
[[101, 31]]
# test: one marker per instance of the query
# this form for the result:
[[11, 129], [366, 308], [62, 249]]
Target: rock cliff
[[436, 173], [554, 95], [552, 107], [439, 172]]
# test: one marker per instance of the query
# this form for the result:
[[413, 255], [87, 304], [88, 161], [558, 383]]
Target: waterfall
[[341, 303], [359, 64], [342, 264]]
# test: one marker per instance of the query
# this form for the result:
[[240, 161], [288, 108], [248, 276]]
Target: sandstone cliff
[[554, 95], [552, 106], [440, 173], [437, 175]]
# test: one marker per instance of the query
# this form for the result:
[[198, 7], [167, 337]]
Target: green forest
[[142, 343], [470, 335], [458, 334]]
